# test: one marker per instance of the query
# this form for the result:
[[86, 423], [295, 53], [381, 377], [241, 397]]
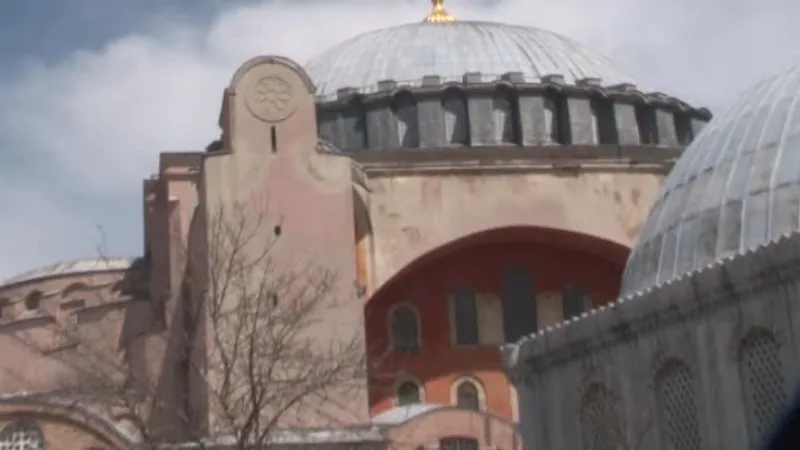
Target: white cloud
[[96, 120]]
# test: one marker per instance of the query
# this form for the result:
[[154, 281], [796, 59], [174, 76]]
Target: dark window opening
[[273, 139], [468, 396], [33, 300], [456, 118], [605, 121], [405, 330], [683, 128], [519, 304], [505, 106], [573, 301], [646, 122], [405, 110], [354, 126], [465, 317], [557, 106], [408, 393], [458, 444]]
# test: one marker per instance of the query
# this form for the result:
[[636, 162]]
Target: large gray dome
[[737, 186], [409, 52]]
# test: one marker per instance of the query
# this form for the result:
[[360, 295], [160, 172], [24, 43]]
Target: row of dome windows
[[466, 393], [486, 319], [33, 300], [507, 119], [677, 392]]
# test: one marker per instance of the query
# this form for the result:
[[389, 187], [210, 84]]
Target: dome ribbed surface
[[409, 52], [737, 186]]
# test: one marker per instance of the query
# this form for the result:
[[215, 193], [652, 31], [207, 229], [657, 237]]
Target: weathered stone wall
[[708, 359]]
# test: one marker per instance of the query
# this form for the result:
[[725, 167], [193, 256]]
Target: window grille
[[762, 382], [678, 407], [21, 436]]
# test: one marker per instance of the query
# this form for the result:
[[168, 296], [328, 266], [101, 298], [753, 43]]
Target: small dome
[[737, 186], [406, 53]]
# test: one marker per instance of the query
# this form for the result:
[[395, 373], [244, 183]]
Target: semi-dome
[[737, 186], [407, 53]]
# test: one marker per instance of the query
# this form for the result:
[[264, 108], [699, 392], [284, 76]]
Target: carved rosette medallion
[[271, 99]]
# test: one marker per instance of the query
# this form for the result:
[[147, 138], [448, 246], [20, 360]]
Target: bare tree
[[248, 340]]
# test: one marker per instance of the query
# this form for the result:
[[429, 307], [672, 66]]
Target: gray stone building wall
[[706, 361]]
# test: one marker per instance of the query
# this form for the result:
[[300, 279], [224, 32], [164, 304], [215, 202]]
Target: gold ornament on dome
[[438, 13]]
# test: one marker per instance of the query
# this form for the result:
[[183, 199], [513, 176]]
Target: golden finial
[[438, 13]]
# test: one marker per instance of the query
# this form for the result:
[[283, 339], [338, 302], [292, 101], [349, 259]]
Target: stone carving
[[271, 99]]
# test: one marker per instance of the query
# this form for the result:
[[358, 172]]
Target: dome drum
[[506, 110]]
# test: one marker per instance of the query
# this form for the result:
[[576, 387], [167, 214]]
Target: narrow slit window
[[273, 138]]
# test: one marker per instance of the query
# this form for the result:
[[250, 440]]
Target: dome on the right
[[736, 187]]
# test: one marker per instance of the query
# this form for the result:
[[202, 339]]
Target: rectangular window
[[605, 121], [573, 302], [519, 304], [465, 318], [646, 122]]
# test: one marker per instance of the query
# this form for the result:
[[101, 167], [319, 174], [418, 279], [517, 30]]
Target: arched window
[[761, 374], [600, 420], [468, 395], [21, 435], [408, 393], [506, 119], [456, 120], [646, 122], [677, 406], [458, 443], [74, 287], [405, 110], [33, 300], [604, 120], [405, 329], [556, 112]]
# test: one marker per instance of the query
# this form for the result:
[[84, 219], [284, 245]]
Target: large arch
[[479, 275], [612, 251]]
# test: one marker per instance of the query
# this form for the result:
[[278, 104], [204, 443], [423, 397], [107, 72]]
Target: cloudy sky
[[92, 90]]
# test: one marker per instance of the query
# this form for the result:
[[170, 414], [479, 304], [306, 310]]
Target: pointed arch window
[[599, 419], [404, 107], [676, 395], [408, 393], [405, 330], [456, 120], [761, 374], [21, 435]]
